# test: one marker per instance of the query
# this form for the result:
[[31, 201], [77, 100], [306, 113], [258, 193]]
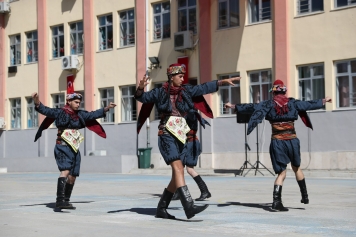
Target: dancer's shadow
[[52, 205], [264, 206], [151, 212]]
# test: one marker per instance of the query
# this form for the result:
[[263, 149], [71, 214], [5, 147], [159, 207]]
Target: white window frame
[[15, 113], [349, 3], [311, 78], [260, 13], [127, 38], [130, 115], [352, 94], [61, 99], [227, 87], [32, 117], [58, 37], [228, 14], [308, 3], [32, 42], [110, 115], [103, 45], [160, 30], [76, 41], [15, 42], [260, 83], [187, 8]]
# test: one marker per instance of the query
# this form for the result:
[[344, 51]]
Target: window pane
[[305, 90], [61, 45], [73, 27], [344, 91], [123, 16], [304, 72], [109, 19], [55, 30], [80, 43], [353, 66], [103, 94], [235, 95], [303, 6], [131, 14], [318, 89], [266, 76], [102, 38], [125, 91], [265, 92], [223, 14], [341, 3], [131, 35], [192, 20], [182, 20], [254, 10], [157, 26], [192, 3], [224, 98], [341, 67], [353, 91], [234, 12], [123, 28], [255, 93], [318, 70], [317, 5], [182, 3], [80, 26], [254, 77], [165, 6], [266, 10], [157, 8], [110, 37], [102, 21], [166, 25]]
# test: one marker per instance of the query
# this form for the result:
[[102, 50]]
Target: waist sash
[[178, 127], [283, 131]]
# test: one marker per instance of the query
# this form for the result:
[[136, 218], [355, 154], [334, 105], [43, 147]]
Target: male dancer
[[177, 105], [69, 120], [282, 111]]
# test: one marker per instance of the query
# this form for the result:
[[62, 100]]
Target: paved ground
[[124, 205]]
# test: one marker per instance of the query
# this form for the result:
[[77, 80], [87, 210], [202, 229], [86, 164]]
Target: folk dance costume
[[66, 150], [177, 139], [281, 112]]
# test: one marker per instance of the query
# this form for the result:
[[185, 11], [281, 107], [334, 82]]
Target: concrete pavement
[[125, 205]]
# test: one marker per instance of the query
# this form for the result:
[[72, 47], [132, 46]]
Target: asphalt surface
[[125, 205]]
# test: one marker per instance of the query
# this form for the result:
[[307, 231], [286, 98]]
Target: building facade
[[309, 44]]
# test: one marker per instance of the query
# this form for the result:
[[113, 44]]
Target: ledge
[[258, 23], [309, 14]]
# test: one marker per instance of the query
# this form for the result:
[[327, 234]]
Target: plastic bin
[[144, 157]]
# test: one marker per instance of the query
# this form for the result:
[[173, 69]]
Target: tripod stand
[[258, 162]]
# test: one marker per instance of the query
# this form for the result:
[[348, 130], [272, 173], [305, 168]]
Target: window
[[76, 38], [307, 6], [162, 20], [260, 84], [128, 103], [127, 27], [107, 96], [58, 101], [229, 94], [32, 115], [187, 16], [343, 3], [193, 81], [260, 10], [346, 83], [311, 82], [105, 32], [15, 50], [58, 41], [15, 113], [229, 13], [32, 47]]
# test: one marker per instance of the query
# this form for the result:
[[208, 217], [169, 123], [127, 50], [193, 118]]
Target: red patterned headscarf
[[280, 100], [176, 68]]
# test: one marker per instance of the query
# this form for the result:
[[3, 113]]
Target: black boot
[[68, 192], [303, 191], [203, 188], [175, 196], [277, 199], [187, 202], [163, 204], [61, 203]]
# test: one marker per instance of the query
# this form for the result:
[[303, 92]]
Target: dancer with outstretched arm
[[69, 120], [281, 112], [176, 103]]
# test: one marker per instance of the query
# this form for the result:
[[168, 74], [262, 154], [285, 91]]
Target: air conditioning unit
[[4, 7], [2, 123], [69, 62], [183, 40]]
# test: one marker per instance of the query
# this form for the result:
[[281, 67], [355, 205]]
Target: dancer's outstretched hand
[[328, 99], [144, 82], [231, 80], [35, 98], [228, 105], [112, 105]]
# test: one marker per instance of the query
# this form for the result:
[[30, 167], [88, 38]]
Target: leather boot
[[277, 199], [175, 196], [188, 204], [68, 192], [163, 204], [303, 191], [61, 203], [203, 188]]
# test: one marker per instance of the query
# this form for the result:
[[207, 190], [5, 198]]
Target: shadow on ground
[[264, 206]]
